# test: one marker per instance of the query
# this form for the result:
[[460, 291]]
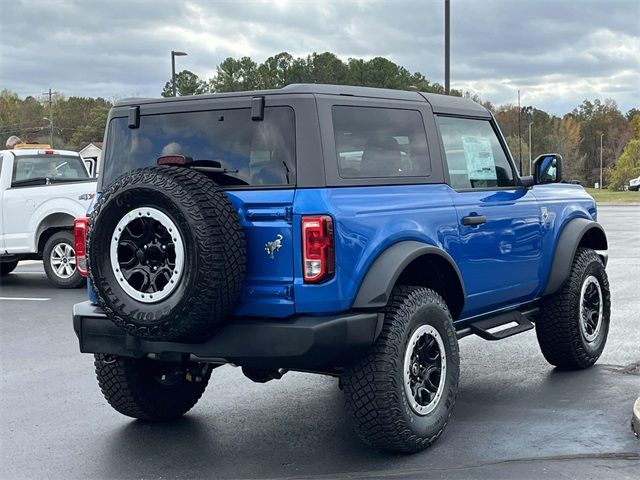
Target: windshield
[[252, 153], [37, 169]]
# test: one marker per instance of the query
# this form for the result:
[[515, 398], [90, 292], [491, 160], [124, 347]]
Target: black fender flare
[[569, 240], [375, 289]]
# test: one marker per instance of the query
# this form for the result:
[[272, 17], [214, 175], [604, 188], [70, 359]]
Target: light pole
[[601, 135], [174, 54], [519, 134], [447, 46], [530, 123], [50, 129]]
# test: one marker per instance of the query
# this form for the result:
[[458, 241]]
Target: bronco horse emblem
[[272, 247]]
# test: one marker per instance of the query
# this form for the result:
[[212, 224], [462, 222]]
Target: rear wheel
[[574, 322], [59, 259], [7, 267], [401, 395], [149, 389]]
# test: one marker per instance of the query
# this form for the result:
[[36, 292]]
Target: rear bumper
[[300, 342]]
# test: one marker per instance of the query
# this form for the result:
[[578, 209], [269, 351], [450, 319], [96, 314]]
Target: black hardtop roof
[[439, 103]]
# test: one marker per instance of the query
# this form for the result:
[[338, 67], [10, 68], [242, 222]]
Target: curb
[[618, 204], [635, 420]]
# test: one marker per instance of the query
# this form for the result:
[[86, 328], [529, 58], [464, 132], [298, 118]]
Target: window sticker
[[479, 156]]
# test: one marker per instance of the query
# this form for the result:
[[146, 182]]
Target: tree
[[326, 68], [565, 139], [627, 167], [235, 75], [280, 70], [187, 83], [600, 118], [93, 129]]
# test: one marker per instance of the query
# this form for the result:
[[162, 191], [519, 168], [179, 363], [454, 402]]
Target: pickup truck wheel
[[401, 395], [166, 253], [59, 259], [574, 322], [7, 267], [150, 389]]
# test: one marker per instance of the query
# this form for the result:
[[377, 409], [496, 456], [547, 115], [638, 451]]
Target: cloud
[[556, 52]]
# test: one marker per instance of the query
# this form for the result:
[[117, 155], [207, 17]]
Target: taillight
[[172, 160], [80, 227], [318, 252]]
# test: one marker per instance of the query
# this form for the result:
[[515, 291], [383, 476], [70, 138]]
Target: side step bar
[[482, 327]]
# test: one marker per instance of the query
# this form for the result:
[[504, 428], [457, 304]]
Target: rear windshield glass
[[255, 153], [27, 168], [380, 142]]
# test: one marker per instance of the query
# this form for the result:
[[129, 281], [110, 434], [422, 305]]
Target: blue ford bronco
[[346, 231]]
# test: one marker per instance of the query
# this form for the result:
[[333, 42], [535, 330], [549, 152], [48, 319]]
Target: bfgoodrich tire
[[59, 260], [401, 395], [574, 322], [166, 253], [149, 389]]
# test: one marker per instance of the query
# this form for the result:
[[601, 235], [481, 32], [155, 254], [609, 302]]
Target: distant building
[[92, 152]]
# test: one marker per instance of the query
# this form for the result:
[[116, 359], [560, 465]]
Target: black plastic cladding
[[314, 131]]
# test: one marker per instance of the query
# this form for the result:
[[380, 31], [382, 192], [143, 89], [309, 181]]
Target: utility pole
[[601, 135], [49, 93], [447, 46], [530, 149], [519, 134]]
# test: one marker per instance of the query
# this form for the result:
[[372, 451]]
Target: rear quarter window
[[256, 153], [373, 142]]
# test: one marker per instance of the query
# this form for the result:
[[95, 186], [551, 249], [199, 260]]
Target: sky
[[556, 52]]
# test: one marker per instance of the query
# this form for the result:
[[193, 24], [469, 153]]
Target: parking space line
[[26, 299]]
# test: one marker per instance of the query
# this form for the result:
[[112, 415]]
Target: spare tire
[[166, 253]]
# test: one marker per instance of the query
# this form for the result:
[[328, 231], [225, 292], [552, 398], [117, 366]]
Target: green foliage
[[187, 83], [600, 118], [75, 119], [627, 167], [242, 74], [576, 135]]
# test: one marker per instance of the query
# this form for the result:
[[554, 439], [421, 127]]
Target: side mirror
[[547, 168]]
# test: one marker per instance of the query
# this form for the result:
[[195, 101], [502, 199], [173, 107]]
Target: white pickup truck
[[41, 192]]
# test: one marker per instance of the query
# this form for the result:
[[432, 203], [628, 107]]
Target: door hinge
[[288, 292], [288, 214]]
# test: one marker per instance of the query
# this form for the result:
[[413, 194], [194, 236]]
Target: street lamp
[[530, 123], [174, 54], [51, 129], [601, 135], [447, 46]]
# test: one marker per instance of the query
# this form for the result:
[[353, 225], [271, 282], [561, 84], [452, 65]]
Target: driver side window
[[475, 158]]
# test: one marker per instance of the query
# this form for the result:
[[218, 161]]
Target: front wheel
[[574, 322], [149, 389], [59, 259], [401, 395]]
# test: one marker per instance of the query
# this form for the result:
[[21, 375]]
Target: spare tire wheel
[[166, 253]]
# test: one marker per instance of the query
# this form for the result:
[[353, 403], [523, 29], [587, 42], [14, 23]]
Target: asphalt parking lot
[[516, 417]]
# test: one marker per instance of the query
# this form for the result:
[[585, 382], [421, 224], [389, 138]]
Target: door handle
[[473, 220]]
